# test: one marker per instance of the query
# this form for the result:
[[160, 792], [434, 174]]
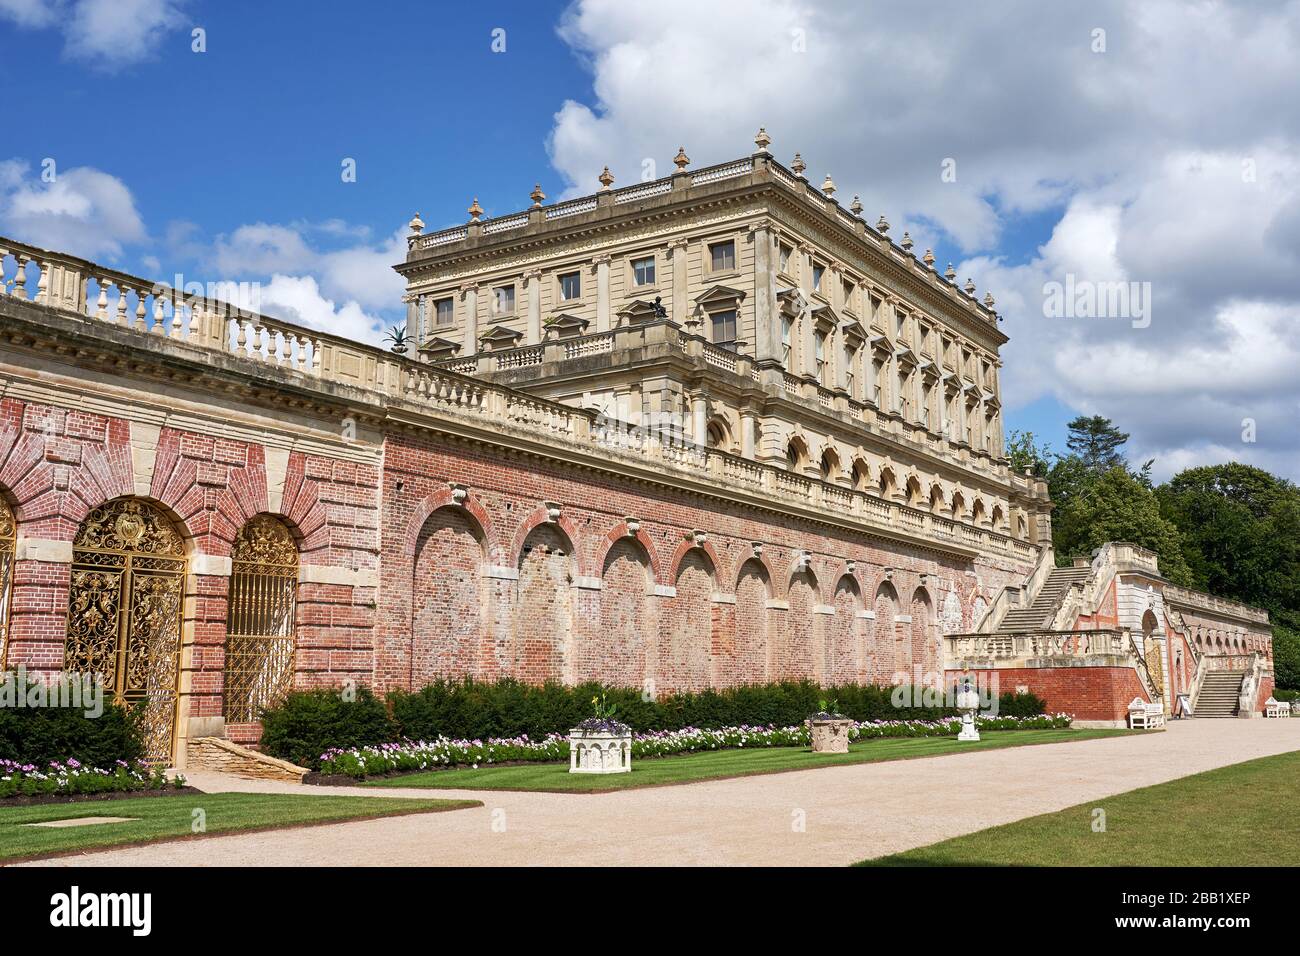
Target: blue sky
[[226, 164]]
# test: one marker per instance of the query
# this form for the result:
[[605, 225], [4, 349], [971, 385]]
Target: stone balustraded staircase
[[1032, 618], [1219, 695]]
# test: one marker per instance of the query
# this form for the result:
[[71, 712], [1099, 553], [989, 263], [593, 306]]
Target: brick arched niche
[[845, 644], [448, 596], [616, 651], [541, 645], [884, 639], [802, 652], [685, 660], [922, 648], [749, 646]]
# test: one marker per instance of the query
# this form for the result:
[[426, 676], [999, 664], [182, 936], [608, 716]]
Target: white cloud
[[299, 299], [84, 210], [1164, 160], [108, 34]]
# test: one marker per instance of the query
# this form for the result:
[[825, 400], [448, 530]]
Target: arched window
[[794, 455], [830, 465], [861, 475], [8, 537], [260, 618], [716, 435]]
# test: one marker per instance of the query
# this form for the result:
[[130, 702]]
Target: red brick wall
[[1085, 693], [490, 582]]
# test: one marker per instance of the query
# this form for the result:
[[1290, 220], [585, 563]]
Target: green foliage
[[310, 722], [1020, 705], [1113, 506], [41, 735], [1026, 455], [1286, 658], [1097, 443]]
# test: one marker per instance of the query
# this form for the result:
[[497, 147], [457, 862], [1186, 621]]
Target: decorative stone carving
[[600, 751], [830, 735]]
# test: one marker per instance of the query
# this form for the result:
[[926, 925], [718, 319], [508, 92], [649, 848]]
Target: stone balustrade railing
[[1214, 605], [1037, 644], [754, 170], [156, 312]]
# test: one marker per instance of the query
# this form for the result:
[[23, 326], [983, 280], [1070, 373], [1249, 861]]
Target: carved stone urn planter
[[600, 746], [830, 733]]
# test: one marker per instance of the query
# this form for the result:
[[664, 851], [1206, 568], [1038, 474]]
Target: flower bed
[[414, 756], [71, 777]]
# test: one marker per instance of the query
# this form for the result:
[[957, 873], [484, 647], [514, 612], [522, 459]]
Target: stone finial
[[416, 225], [681, 160], [907, 241], [970, 286], [828, 185], [475, 210], [762, 140], [988, 300], [882, 225], [928, 258], [855, 207], [606, 179], [537, 196], [798, 166], [950, 273]]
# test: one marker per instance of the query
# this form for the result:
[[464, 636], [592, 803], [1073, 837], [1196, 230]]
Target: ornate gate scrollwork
[[260, 618], [124, 612]]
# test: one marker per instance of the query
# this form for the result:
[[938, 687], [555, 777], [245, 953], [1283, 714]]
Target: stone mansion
[[709, 429]]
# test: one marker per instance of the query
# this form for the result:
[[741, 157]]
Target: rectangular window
[[723, 256], [819, 351], [785, 259], [875, 310], [818, 272], [444, 312], [724, 328], [848, 370], [504, 296], [571, 286], [787, 349], [643, 271]]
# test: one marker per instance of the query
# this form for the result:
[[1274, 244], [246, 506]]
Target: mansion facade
[[710, 429]]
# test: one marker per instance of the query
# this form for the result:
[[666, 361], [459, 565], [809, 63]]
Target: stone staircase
[[1049, 596], [1219, 695]]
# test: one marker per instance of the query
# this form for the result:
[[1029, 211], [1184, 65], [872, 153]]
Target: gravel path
[[847, 813]]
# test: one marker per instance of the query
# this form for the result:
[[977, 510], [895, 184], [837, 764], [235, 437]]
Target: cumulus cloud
[[107, 34], [1149, 134], [299, 299], [83, 210]]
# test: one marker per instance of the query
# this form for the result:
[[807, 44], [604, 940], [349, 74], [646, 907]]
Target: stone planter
[[830, 735], [599, 751]]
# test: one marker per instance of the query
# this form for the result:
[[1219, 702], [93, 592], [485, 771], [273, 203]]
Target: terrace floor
[[828, 816]]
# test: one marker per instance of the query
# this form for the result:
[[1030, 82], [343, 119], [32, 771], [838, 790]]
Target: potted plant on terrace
[[600, 744], [829, 729]]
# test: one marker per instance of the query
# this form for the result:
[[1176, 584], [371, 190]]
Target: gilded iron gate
[[260, 618], [124, 612]]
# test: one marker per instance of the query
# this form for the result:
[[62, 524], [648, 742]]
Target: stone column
[[469, 298], [748, 422], [700, 418], [602, 293], [806, 344], [414, 319], [679, 252], [533, 284]]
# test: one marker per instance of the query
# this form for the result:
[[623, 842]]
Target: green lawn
[[1242, 815], [717, 764], [171, 817]]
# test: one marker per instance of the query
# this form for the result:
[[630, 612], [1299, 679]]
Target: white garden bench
[[1144, 716], [1276, 708]]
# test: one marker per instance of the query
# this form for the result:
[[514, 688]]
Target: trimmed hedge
[[309, 723], [44, 735]]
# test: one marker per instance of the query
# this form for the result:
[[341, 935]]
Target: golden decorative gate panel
[[260, 618], [124, 612]]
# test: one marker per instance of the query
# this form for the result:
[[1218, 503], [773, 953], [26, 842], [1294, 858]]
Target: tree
[[1026, 455], [1097, 443], [1286, 658], [1113, 506]]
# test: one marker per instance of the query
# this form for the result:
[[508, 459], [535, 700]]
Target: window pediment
[[719, 296], [565, 325], [500, 337], [439, 348]]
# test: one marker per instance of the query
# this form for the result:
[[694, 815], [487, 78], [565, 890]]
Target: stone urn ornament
[[829, 729], [600, 744], [968, 702]]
